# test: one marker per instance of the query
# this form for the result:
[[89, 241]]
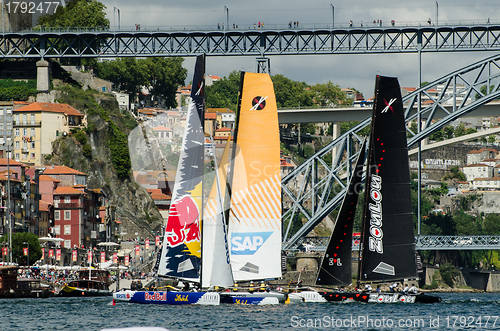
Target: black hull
[[380, 297]]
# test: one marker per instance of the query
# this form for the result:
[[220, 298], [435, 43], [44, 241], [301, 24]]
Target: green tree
[[77, 13], [164, 75], [224, 92], [328, 95], [491, 224], [127, 74], [291, 94], [466, 224], [24, 239]]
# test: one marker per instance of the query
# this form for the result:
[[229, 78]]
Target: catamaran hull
[[248, 300], [271, 294], [305, 296], [70, 291], [168, 298], [380, 297]]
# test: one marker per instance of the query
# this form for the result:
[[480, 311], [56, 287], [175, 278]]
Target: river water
[[477, 311]]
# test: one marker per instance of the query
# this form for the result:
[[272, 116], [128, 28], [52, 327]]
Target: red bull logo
[[183, 222], [156, 296]]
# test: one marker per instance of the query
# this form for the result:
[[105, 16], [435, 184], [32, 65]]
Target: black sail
[[388, 240], [336, 267]]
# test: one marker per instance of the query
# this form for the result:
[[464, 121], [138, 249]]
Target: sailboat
[[387, 240], [181, 254], [254, 184]]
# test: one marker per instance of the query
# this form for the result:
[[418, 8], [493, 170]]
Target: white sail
[[216, 264]]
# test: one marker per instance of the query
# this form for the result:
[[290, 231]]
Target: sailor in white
[[405, 290], [413, 289]]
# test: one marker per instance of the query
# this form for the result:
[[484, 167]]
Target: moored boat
[[89, 283]]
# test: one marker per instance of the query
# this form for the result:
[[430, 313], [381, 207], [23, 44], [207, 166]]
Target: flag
[[137, 250], [146, 243], [157, 240], [58, 254], [75, 255], [25, 251], [103, 257], [51, 253], [115, 257], [126, 260]]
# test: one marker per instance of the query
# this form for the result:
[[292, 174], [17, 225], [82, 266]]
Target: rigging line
[[334, 276]]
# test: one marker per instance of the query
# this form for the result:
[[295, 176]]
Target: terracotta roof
[[3, 162], [156, 194], [214, 77], [79, 186], [4, 178], [490, 160], [67, 190], [50, 107], [223, 129], [463, 182], [409, 89], [61, 170], [43, 178], [210, 116], [218, 110], [43, 205], [161, 128]]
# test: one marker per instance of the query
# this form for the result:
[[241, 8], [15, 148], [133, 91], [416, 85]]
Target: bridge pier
[[43, 76]]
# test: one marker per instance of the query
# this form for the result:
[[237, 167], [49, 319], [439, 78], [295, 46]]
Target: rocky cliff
[[102, 153]]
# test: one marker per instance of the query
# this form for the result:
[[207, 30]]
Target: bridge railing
[[356, 24]]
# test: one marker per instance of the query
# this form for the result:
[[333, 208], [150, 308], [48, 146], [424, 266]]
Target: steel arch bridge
[[95, 42], [316, 187]]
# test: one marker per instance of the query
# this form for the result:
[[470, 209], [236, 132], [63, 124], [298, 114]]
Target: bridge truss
[[316, 187], [251, 42]]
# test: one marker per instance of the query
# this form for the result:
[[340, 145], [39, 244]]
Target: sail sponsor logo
[[388, 105], [248, 243], [181, 298], [390, 298], [258, 103], [183, 222], [156, 296], [375, 243]]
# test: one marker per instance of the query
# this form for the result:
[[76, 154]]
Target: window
[[67, 244], [57, 230], [16, 118], [67, 229], [17, 157], [32, 155], [25, 132], [25, 119], [9, 126], [1, 125], [32, 132], [33, 145], [17, 132], [32, 119], [67, 199], [67, 214], [56, 214], [1, 111], [25, 144], [16, 144]]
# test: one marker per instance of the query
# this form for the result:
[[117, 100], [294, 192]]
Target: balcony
[[25, 150], [69, 205], [18, 124]]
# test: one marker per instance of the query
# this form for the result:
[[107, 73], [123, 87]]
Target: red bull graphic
[[146, 243], [103, 257], [25, 251], [58, 254], [75, 255], [51, 253], [115, 257], [155, 296], [157, 241], [137, 250], [127, 259], [183, 222]]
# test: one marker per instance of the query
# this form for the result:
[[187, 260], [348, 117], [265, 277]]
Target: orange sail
[[255, 217]]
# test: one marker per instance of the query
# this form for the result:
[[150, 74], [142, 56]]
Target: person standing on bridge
[[429, 21]]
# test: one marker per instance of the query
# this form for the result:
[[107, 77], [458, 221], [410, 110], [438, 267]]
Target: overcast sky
[[356, 71]]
